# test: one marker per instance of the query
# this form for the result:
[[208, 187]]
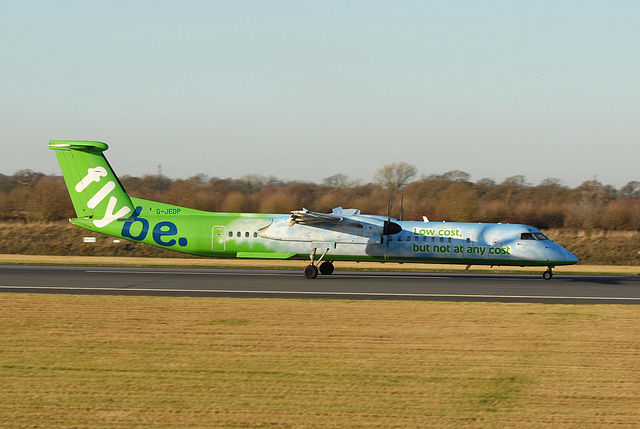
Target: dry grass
[[85, 361]]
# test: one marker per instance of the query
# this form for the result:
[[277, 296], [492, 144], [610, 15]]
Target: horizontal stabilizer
[[86, 146]]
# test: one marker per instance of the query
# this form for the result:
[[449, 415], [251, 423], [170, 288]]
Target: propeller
[[389, 228]]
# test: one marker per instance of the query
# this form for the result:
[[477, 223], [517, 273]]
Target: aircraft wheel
[[326, 268], [547, 275], [311, 271]]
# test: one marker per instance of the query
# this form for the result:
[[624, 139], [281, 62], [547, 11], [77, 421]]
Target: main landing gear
[[547, 275], [311, 270]]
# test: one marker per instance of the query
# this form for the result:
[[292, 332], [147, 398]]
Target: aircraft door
[[495, 246], [471, 250], [218, 239]]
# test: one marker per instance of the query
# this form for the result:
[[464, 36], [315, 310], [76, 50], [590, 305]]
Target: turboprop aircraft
[[102, 205]]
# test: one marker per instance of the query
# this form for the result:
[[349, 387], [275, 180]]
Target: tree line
[[29, 196]]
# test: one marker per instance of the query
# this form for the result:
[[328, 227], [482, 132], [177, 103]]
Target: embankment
[[62, 239]]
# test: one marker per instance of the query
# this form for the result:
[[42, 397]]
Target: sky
[[304, 90]]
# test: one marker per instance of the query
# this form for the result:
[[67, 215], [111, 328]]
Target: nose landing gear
[[547, 275]]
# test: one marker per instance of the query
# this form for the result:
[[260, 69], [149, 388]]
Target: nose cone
[[563, 257]]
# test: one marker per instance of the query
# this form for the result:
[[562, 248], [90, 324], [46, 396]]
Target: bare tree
[[394, 176], [551, 182], [336, 181], [631, 190], [456, 176]]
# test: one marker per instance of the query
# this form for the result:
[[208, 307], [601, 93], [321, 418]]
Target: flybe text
[[95, 175], [163, 233]]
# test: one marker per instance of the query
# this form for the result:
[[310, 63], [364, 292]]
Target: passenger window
[[239, 234], [255, 235], [409, 238], [246, 234], [230, 234], [400, 238]]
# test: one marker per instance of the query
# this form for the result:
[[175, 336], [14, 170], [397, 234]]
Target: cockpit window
[[533, 236]]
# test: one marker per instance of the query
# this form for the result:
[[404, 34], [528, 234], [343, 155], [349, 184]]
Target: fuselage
[[354, 238]]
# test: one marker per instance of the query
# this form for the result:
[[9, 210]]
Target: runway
[[254, 283]]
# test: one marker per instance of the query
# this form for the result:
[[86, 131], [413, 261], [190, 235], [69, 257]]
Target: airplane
[[102, 205]]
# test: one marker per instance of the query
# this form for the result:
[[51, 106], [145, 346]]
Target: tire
[[547, 275], [326, 268], [311, 271]]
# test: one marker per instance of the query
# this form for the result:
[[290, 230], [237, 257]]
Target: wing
[[339, 226]]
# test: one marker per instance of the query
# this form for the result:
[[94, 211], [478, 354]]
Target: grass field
[[87, 361]]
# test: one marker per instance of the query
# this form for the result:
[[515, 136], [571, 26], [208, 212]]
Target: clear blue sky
[[304, 90]]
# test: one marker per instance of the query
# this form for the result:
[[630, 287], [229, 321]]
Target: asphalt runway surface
[[364, 285]]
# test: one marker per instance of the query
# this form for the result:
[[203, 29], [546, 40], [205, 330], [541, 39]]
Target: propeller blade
[[385, 229]]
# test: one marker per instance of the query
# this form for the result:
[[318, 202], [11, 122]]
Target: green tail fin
[[96, 192]]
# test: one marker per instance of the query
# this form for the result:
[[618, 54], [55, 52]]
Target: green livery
[[102, 205]]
